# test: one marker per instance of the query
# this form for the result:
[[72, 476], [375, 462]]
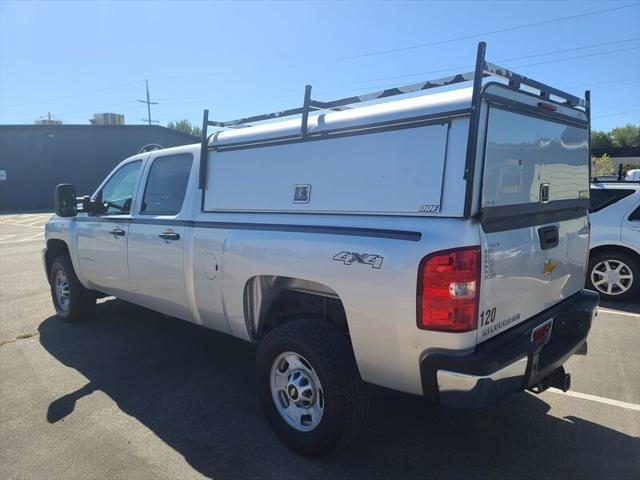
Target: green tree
[[601, 139], [627, 136], [185, 126], [601, 166]]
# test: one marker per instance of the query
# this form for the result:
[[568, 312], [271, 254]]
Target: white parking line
[[34, 236], [39, 227], [595, 398], [38, 237], [618, 312], [26, 220], [34, 223], [29, 220]]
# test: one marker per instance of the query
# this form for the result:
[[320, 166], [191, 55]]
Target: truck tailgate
[[520, 279]]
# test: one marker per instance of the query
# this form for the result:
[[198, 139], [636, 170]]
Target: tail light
[[547, 106], [448, 290]]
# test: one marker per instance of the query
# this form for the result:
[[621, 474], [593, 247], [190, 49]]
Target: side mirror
[[65, 200], [92, 207]]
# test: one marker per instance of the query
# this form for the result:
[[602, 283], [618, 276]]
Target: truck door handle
[[169, 235], [117, 232], [549, 237]]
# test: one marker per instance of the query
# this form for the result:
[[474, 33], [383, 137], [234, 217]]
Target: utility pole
[[149, 103]]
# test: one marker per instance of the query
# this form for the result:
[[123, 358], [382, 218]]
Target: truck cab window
[[166, 185], [117, 193]]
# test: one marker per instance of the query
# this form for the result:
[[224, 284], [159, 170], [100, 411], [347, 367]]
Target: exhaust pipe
[[557, 379]]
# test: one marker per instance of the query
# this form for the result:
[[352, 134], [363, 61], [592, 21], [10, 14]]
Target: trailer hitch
[[558, 379]]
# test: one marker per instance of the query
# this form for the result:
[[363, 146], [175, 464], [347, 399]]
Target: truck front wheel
[[71, 300], [310, 387]]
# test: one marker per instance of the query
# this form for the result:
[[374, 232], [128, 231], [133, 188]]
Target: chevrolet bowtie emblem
[[549, 267]]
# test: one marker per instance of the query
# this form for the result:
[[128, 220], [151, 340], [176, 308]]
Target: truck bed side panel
[[380, 303]]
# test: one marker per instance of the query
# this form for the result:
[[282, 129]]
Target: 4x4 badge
[[375, 261]]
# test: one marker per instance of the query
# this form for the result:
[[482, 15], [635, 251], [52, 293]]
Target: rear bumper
[[509, 362]]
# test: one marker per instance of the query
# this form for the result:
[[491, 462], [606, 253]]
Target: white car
[[434, 245], [614, 262], [633, 175]]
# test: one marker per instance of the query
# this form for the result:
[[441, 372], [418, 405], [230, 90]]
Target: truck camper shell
[[309, 163]]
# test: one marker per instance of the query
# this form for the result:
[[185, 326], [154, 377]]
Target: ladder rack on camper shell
[[483, 69]]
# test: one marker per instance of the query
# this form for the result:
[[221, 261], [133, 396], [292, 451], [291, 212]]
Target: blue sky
[[77, 58]]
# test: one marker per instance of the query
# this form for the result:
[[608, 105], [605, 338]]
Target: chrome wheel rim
[[63, 295], [296, 391], [612, 277]]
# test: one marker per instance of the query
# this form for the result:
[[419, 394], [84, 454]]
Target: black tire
[[82, 302], [631, 264], [346, 396]]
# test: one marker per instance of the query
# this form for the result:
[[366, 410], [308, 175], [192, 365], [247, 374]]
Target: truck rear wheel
[[310, 387], [71, 300]]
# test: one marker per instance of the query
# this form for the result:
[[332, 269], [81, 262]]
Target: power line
[[381, 52], [577, 57], [604, 82], [96, 109], [76, 113], [290, 92], [37, 102], [388, 85], [148, 102], [565, 50], [497, 61], [284, 93], [69, 118], [617, 113], [483, 34], [438, 42]]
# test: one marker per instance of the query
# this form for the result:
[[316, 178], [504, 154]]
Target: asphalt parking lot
[[134, 394]]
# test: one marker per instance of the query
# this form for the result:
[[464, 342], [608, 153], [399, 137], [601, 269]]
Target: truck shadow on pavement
[[195, 389]]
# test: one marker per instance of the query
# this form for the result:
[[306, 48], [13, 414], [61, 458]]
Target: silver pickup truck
[[434, 244]]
